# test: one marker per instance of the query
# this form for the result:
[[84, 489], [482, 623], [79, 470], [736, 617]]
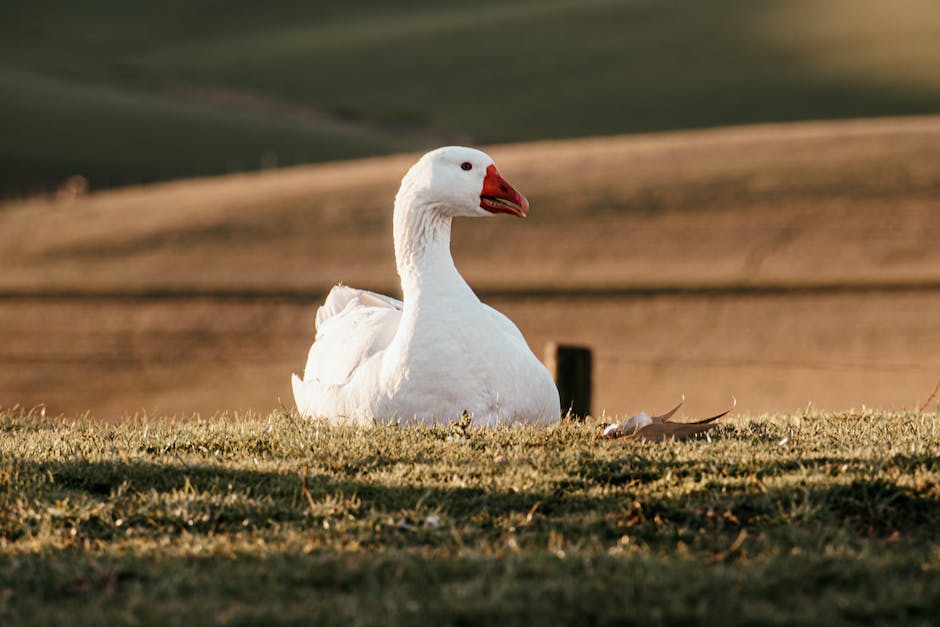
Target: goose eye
[[466, 165]]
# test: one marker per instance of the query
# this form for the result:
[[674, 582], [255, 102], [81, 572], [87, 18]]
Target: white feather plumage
[[438, 353]]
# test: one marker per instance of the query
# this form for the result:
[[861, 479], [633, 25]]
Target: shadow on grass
[[600, 502], [871, 506], [412, 588], [638, 468]]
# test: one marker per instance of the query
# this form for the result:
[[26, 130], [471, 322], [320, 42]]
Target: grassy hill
[[126, 92], [815, 203], [815, 519], [783, 264]]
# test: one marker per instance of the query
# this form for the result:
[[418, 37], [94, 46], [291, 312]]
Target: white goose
[[440, 352]]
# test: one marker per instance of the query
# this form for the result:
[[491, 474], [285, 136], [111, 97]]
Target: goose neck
[[422, 252]]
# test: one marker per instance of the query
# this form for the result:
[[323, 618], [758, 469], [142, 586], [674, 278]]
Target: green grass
[[118, 90], [817, 520], [114, 136]]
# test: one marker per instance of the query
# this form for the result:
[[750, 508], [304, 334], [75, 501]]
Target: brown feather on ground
[[658, 428]]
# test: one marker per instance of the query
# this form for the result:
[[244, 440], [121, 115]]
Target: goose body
[[439, 352]]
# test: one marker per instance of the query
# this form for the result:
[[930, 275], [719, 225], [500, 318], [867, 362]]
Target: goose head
[[457, 181]]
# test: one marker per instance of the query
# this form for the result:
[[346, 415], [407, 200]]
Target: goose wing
[[352, 325]]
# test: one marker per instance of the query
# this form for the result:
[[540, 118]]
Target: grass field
[[794, 266], [123, 92], [812, 519]]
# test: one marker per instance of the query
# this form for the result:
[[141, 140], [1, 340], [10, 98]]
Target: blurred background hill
[[729, 196], [132, 91]]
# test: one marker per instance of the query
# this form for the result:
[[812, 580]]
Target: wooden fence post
[[571, 368]]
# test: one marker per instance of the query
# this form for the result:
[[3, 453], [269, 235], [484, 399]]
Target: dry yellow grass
[[813, 202], [774, 353], [849, 203]]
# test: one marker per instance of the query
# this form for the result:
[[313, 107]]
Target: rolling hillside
[[127, 92], [805, 204], [782, 264]]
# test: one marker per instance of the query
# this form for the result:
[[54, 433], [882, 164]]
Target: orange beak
[[498, 196]]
